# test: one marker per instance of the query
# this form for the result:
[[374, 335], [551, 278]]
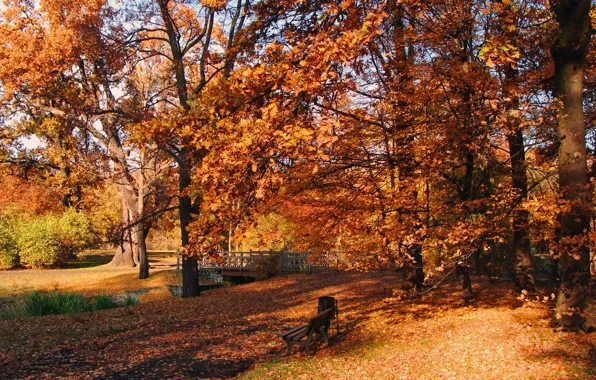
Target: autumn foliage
[[427, 137]]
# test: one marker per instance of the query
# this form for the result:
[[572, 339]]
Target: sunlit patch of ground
[[235, 332], [90, 276]]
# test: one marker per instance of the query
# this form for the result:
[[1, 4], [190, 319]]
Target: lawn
[[233, 332], [89, 275]]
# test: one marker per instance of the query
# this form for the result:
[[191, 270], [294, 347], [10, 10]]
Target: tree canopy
[[426, 136]]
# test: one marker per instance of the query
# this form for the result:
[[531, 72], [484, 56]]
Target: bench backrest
[[320, 320]]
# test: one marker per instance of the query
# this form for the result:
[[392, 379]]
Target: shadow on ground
[[227, 331]]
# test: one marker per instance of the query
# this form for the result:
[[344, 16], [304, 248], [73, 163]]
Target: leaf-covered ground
[[234, 332]]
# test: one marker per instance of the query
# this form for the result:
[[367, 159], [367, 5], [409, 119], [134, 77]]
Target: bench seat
[[319, 325]]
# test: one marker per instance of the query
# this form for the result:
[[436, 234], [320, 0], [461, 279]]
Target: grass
[[88, 277], [289, 369], [89, 259], [39, 304]]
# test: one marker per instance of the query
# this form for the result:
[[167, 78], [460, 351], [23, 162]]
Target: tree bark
[[142, 252], [402, 160], [124, 256], [140, 226], [133, 250], [569, 51], [190, 270], [524, 276]]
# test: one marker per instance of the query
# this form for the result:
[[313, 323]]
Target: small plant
[[15, 310]]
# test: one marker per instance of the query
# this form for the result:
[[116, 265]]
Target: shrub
[[48, 240], [74, 231], [9, 253], [38, 242]]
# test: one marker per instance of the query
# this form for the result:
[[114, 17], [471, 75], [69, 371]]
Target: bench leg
[[290, 345], [324, 334], [307, 343]]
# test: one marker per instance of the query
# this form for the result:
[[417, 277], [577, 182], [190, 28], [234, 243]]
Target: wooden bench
[[319, 324]]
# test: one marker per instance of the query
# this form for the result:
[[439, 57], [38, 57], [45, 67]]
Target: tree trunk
[[140, 226], [464, 270], [142, 252], [402, 159], [416, 252], [477, 262], [524, 276], [190, 270], [413, 271], [133, 249], [523, 270], [569, 52], [124, 256]]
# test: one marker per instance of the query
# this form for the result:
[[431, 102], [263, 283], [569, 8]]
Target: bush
[[9, 253], [38, 242], [74, 232], [43, 241]]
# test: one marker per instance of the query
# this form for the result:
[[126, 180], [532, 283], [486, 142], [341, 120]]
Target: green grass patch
[[281, 368], [39, 304]]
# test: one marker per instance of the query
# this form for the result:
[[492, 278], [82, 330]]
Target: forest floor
[[234, 332]]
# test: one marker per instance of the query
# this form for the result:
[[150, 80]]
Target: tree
[[67, 95], [508, 30], [195, 43], [569, 49]]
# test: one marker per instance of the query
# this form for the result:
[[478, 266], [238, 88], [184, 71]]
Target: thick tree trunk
[[569, 51], [133, 250], [124, 256], [190, 270]]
